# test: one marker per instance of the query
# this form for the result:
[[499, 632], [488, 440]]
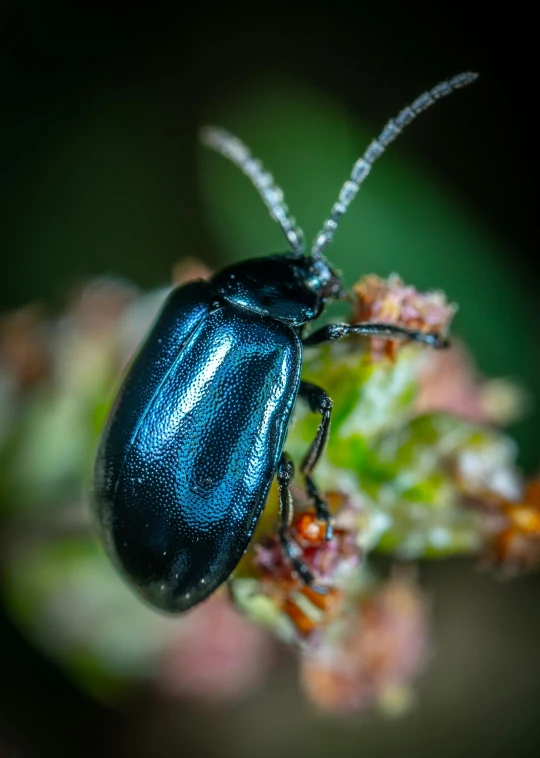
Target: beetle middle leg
[[285, 474], [319, 402]]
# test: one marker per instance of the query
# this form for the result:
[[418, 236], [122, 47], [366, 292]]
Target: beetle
[[197, 432]]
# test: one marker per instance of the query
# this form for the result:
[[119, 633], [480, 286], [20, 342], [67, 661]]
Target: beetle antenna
[[235, 150], [362, 167]]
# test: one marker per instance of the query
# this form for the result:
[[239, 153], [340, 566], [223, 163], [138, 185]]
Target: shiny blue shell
[[193, 442]]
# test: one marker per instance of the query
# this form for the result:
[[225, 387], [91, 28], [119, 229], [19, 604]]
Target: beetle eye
[[313, 283], [324, 281]]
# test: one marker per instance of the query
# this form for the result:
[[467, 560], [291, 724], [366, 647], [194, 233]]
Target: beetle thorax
[[291, 288]]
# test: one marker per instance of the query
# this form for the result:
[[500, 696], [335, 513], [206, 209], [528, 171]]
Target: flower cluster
[[416, 466], [390, 301]]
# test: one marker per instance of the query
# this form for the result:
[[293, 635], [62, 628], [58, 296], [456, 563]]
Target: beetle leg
[[381, 331], [285, 474], [319, 402]]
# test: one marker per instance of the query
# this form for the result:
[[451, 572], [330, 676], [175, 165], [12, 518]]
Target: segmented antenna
[[362, 167], [235, 150]]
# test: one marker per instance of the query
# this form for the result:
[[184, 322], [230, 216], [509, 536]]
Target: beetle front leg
[[319, 402], [285, 474], [380, 331]]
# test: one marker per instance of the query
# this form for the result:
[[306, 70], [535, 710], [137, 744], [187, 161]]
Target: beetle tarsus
[[289, 548], [321, 508]]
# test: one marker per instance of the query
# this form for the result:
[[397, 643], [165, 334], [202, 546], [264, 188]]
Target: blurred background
[[101, 174]]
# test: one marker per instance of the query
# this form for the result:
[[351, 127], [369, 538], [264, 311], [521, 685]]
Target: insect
[[197, 432]]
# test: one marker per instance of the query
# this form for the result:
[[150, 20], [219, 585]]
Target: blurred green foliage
[[106, 194]]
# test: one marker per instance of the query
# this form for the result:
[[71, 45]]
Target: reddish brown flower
[[378, 650], [24, 346], [331, 562], [189, 269], [514, 528], [449, 381], [97, 308], [390, 301]]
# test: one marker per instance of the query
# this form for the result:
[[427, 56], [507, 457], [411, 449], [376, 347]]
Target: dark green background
[[100, 173]]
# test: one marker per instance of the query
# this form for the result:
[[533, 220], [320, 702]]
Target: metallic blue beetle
[[197, 432]]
